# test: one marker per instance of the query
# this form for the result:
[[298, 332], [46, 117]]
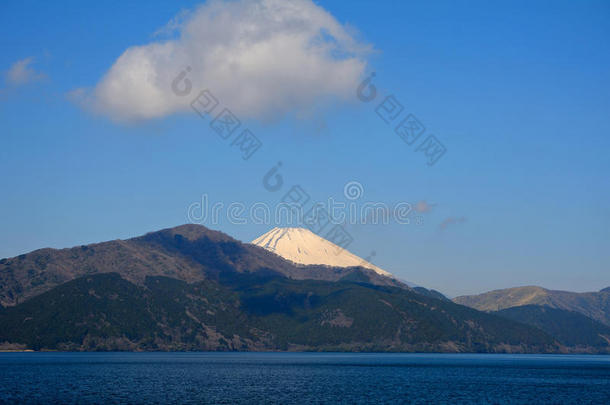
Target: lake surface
[[302, 378]]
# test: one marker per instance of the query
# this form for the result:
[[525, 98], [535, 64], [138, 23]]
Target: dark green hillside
[[430, 293], [250, 312], [570, 328], [106, 312]]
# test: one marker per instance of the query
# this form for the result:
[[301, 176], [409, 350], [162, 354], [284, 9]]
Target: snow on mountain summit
[[302, 246]]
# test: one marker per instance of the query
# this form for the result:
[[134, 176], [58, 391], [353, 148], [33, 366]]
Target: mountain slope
[[250, 311], [595, 305], [570, 328], [505, 298], [189, 252], [302, 246]]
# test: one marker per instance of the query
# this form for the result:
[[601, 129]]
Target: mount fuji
[[302, 246]]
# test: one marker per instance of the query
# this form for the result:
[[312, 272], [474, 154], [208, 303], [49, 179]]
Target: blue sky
[[518, 92]]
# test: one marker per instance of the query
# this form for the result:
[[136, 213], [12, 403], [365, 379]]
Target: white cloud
[[21, 72], [260, 58]]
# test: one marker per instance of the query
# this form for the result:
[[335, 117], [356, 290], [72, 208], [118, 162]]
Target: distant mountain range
[[595, 305], [191, 288], [574, 319]]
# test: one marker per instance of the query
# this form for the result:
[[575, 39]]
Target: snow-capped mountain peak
[[302, 246]]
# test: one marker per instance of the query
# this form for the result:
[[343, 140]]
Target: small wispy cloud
[[451, 221], [423, 207], [22, 72], [77, 96]]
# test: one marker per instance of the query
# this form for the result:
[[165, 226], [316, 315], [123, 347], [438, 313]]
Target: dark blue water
[[302, 378]]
